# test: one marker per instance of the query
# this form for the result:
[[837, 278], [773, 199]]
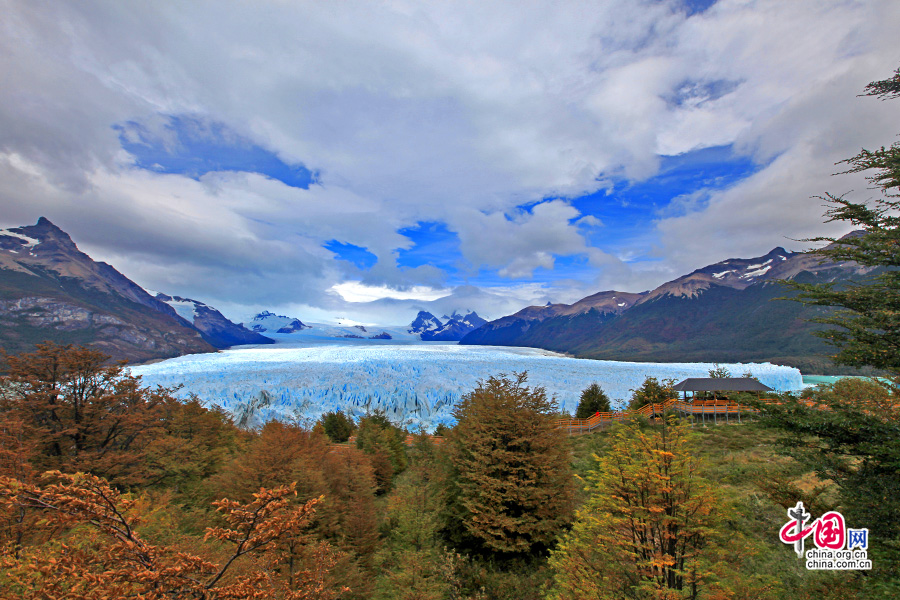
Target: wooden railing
[[708, 410], [711, 410]]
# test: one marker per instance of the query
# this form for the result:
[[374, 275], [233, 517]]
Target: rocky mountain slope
[[50, 290], [267, 321], [453, 328], [212, 325], [727, 311]]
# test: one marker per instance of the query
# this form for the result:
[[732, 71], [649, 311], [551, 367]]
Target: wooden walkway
[[703, 411]]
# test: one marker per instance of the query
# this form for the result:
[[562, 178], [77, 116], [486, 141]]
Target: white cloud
[[457, 113], [355, 291]]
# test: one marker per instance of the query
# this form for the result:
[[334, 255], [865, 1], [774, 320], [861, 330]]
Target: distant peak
[[853, 234], [44, 225], [45, 230]]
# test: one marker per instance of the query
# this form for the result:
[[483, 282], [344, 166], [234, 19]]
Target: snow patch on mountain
[[457, 325], [24, 240], [756, 273], [215, 328], [269, 322], [424, 321], [186, 308]]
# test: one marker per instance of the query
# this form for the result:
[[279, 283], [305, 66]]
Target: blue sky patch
[[697, 6], [357, 255], [627, 211], [434, 245], [696, 92], [193, 147]]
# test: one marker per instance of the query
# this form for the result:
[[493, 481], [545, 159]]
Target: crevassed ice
[[416, 385]]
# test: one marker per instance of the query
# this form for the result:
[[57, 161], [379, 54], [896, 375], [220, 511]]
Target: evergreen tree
[[337, 426], [866, 326], [719, 372], [412, 561], [652, 391], [511, 483], [593, 400], [852, 436], [383, 441]]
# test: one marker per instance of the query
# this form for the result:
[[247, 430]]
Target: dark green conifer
[[511, 489], [593, 400]]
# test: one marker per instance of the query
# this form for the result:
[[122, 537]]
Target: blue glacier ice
[[415, 384]]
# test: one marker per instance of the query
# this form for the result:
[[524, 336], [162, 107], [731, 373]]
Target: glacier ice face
[[415, 384]]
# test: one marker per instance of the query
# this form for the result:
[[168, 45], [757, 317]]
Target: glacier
[[415, 384]]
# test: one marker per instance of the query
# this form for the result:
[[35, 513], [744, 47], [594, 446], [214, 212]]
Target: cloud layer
[[486, 120]]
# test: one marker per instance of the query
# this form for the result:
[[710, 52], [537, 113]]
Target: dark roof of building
[[721, 384]]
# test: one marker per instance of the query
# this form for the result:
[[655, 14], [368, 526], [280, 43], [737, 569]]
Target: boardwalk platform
[[705, 411]]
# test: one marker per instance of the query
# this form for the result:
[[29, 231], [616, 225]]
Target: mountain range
[[431, 329], [729, 311], [213, 325], [270, 322], [51, 291]]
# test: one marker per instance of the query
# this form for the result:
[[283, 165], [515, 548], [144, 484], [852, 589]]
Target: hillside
[[729, 311], [50, 290]]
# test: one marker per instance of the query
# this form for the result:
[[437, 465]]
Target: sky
[[366, 160]]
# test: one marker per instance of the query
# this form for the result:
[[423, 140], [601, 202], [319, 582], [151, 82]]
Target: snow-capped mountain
[[293, 330], [215, 328], [271, 323], [729, 310], [51, 290], [430, 328], [425, 322]]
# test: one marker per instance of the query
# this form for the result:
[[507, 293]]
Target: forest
[[112, 490]]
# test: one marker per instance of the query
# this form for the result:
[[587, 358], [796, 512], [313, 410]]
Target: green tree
[[412, 561], [593, 400], [383, 441], [852, 435], [652, 391], [866, 325], [511, 484], [719, 372], [337, 426], [645, 524]]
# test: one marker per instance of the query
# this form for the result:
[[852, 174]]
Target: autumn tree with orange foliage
[[648, 518], [104, 556], [192, 444], [281, 453], [80, 413]]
